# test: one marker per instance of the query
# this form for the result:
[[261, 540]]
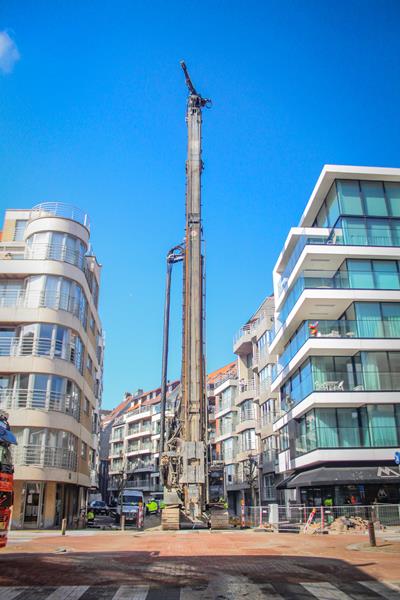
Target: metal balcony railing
[[60, 209], [44, 456], [20, 298], [44, 347], [14, 398], [61, 252], [247, 386], [139, 448], [247, 414]]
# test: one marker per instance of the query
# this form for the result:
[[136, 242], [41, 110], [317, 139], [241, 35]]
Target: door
[[33, 504]]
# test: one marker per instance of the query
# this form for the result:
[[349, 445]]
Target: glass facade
[[361, 320], [365, 371], [353, 274], [371, 426], [52, 245]]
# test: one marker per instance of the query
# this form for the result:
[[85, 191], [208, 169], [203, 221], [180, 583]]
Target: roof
[[215, 375]]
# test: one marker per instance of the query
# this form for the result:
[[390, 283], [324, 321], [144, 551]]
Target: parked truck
[[128, 506]]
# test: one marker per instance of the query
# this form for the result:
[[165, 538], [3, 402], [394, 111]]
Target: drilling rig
[[183, 438]]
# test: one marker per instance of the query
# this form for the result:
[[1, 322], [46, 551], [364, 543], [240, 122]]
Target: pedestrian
[[90, 518]]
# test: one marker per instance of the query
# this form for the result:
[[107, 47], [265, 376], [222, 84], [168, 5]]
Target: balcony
[[140, 448], [20, 298], [44, 456], [139, 413], [350, 232], [61, 210], [357, 381], [132, 433], [43, 347], [59, 252], [347, 437], [138, 466], [242, 340], [344, 329], [367, 280], [247, 389], [17, 398]]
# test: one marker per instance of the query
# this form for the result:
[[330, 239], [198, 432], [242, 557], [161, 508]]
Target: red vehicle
[[6, 477]]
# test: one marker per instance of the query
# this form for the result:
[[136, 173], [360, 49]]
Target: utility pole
[[194, 406]]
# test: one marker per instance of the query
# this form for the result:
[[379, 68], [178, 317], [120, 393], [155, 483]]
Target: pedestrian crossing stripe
[[228, 587]]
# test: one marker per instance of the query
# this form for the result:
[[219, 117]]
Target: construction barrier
[[320, 519], [140, 516]]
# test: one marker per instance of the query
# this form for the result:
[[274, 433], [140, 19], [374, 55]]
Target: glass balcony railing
[[343, 328], [340, 381], [386, 233], [341, 280], [347, 437]]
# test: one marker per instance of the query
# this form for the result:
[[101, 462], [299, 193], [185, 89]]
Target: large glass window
[[386, 274], [375, 203], [393, 196], [349, 197]]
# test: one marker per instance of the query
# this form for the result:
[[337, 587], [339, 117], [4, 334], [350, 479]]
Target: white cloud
[[9, 54]]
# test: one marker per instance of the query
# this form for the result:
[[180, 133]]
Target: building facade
[[336, 341], [51, 357], [134, 444]]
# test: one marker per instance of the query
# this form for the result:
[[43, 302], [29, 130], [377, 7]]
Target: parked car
[[99, 507]]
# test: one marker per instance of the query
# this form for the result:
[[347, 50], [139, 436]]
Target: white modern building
[[51, 359], [336, 341]]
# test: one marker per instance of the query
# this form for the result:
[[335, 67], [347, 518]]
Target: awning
[[343, 476]]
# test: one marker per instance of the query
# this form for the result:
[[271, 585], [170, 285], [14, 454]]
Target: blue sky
[[93, 111]]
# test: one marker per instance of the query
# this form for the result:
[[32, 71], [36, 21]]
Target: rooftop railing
[[62, 210]]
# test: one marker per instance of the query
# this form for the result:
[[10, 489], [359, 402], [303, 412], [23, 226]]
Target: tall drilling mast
[[193, 407], [183, 460]]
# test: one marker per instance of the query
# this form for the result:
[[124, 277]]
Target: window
[[374, 197], [89, 364], [92, 322], [86, 406], [393, 196], [349, 197], [20, 226], [83, 451]]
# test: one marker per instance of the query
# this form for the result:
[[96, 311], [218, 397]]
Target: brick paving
[[194, 558]]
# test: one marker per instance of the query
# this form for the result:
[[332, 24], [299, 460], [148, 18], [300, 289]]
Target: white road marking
[[126, 592], [68, 592], [383, 589], [8, 593], [323, 590], [229, 588]]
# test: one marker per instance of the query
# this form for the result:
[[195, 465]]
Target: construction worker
[[152, 507], [90, 517]]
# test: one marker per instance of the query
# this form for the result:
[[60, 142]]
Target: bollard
[[140, 516], [242, 520], [371, 533], [260, 524], [63, 526], [123, 523]]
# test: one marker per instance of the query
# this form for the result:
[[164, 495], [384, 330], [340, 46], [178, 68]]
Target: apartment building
[[253, 407], [51, 357], [337, 341], [107, 419], [219, 441], [134, 444]]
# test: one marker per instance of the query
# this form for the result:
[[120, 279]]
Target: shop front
[[345, 485]]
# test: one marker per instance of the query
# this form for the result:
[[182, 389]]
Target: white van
[[129, 500]]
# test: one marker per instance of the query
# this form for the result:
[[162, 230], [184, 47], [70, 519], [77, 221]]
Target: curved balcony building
[[51, 356]]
